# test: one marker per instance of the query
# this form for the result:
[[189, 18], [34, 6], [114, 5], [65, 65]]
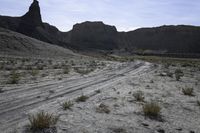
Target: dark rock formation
[[31, 20], [92, 36], [172, 39], [31, 25]]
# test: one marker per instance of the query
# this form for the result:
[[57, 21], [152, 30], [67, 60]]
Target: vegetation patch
[[14, 78], [178, 74], [139, 96], [102, 108], [34, 72], [67, 105], [1, 90], [198, 102], [151, 110], [82, 98], [66, 70], [41, 121], [188, 91]]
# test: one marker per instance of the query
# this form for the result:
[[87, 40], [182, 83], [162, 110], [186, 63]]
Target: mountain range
[[97, 36]]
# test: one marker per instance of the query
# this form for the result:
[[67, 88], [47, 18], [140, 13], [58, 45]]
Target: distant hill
[[95, 36], [13, 43]]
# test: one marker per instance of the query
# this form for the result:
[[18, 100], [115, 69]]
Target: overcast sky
[[124, 14]]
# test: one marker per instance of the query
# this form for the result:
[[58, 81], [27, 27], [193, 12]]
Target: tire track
[[8, 114]]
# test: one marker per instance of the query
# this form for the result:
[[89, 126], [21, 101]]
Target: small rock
[[179, 129], [192, 132], [161, 130], [145, 124]]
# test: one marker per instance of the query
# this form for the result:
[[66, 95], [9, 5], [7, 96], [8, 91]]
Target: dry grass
[[83, 71], [1, 90], [139, 96], [102, 108], [178, 74], [14, 78], [151, 109], [34, 72], [42, 120], [82, 98], [198, 102], [67, 105], [66, 70], [188, 91]]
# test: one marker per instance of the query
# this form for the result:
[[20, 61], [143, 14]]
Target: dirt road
[[16, 102]]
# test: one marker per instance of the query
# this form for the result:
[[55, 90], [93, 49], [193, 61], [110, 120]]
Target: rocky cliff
[[94, 35], [31, 25]]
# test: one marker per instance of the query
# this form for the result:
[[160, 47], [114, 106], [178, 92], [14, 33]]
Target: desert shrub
[[44, 75], [34, 72], [50, 62], [98, 91], [66, 70], [1, 90], [102, 108], [178, 71], [83, 71], [169, 74], [166, 65], [82, 98], [42, 120], [188, 91], [178, 74], [29, 67], [14, 78], [51, 91], [67, 105], [40, 67], [139, 96], [198, 102], [187, 64], [151, 109]]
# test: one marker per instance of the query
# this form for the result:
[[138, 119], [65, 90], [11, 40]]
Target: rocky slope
[[92, 36], [13, 43]]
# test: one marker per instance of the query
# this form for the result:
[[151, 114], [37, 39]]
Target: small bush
[[102, 108], [82, 98], [34, 72], [14, 78], [1, 90], [139, 96], [60, 78], [188, 91], [67, 105], [151, 109], [178, 74], [83, 71], [66, 70], [42, 121], [198, 102], [169, 74], [98, 91], [178, 71]]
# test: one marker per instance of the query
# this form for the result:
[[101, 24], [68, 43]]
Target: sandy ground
[[117, 83]]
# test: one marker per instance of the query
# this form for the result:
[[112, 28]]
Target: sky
[[126, 15]]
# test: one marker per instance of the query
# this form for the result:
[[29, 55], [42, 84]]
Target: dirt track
[[16, 102]]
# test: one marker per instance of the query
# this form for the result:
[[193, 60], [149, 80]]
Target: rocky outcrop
[[31, 20], [172, 39], [31, 25], [94, 35]]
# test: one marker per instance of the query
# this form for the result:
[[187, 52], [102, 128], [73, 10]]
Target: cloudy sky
[[124, 14]]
